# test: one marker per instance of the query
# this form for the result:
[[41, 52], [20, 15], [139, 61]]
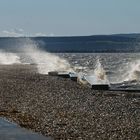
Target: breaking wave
[[45, 61], [99, 71], [97, 75], [9, 58], [133, 71], [29, 53]]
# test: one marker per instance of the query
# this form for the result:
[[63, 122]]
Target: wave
[[28, 52], [133, 71], [45, 61], [7, 58]]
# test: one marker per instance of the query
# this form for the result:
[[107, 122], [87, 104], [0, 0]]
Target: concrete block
[[100, 87], [53, 73], [64, 74], [73, 76]]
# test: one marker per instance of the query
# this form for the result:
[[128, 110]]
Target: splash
[[81, 78], [98, 76], [133, 71], [99, 71], [9, 58], [45, 61]]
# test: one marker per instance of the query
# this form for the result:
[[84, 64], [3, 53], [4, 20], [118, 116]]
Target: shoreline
[[63, 109]]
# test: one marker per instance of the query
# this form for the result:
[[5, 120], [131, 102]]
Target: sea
[[122, 70]]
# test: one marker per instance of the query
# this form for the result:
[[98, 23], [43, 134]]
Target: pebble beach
[[63, 109]]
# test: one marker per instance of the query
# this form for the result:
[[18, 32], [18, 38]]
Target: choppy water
[[122, 69]]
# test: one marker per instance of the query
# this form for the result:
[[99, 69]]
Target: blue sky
[[68, 17]]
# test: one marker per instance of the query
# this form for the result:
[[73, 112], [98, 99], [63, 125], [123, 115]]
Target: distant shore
[[63, 109], [115, 43]]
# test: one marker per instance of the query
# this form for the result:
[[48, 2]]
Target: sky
[[68, 17]]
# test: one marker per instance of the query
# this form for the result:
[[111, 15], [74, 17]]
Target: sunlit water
[[122, 69]]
